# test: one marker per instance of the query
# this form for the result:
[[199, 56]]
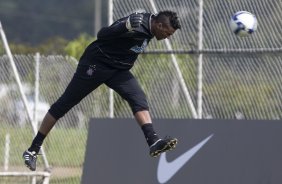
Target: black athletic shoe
[[162, 145], [30, 159]]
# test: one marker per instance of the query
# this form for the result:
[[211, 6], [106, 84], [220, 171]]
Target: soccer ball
[[243, 23]]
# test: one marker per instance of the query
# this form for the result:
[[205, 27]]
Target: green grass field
[[64, 147], [66, 180]]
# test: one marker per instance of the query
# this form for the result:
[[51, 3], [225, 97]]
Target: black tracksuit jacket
[[117, 47]]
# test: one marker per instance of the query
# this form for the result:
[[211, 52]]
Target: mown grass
[[63, 147], [73, 180], [27, 180]]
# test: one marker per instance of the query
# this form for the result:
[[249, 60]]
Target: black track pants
[[90, 76]]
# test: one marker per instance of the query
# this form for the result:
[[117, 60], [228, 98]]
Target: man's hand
[[134, 21]]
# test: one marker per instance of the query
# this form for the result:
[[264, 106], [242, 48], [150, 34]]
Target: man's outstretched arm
[[121, 27]]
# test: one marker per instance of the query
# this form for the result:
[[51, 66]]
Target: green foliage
[[76, 47], [2, 50], [54, 45]]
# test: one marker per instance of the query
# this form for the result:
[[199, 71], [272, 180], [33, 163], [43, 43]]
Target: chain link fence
[[240, 80]]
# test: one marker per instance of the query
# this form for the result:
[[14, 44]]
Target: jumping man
[[108, 60]]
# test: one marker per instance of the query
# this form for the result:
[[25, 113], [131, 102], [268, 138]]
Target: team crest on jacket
[[140, 49], [90, 70]]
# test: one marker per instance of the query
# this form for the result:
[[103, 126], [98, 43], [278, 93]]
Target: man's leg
[[46, 125], [157, 146], [30, 155], [74, 93], [125, 84], [143, 117], [79, 87]]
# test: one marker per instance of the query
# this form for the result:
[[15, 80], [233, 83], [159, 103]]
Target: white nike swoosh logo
[[167, 170]]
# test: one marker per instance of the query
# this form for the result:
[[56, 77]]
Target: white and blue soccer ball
[[243, 23]]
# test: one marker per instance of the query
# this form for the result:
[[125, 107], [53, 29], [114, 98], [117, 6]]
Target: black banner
[[208, 152]]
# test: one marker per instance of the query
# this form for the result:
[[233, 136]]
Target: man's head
[[164, 24]]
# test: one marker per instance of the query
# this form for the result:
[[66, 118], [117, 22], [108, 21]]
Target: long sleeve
[[117, 46], [115, 30]]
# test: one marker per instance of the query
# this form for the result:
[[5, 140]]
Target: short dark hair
[[172, 16]]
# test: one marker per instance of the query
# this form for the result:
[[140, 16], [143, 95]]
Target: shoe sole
[[32, 169], [168, 147]]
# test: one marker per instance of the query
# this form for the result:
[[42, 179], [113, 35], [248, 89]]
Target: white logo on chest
[[140, 49]]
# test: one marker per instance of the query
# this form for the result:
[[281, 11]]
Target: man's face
[[163, 31]]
